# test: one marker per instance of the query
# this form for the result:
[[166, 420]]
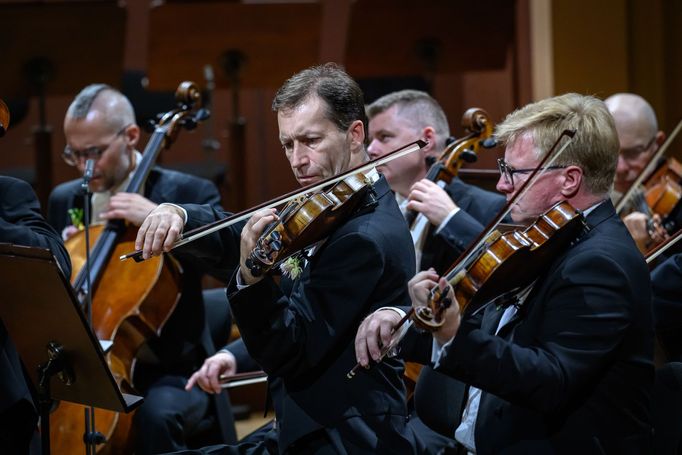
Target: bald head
[[638, 135], [634, 116], [101, 100]]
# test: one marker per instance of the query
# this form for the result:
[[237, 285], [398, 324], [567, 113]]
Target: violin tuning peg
[[489, 143], [276, 235], [202, 114], [276, 245], [189, 123], [149, 125], [469, 156]]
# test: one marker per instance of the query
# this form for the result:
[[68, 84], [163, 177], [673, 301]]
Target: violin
[[477, 124], [308, 219], [506, 264], [127, 315], [663, 192], [493, 257]]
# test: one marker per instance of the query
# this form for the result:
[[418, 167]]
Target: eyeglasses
[[508, 171], [632, 153], [72, 156]]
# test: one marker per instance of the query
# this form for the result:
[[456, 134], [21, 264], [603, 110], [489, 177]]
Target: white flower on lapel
[[292, 266]]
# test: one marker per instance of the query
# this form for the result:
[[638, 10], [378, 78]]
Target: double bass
[[128, 314]]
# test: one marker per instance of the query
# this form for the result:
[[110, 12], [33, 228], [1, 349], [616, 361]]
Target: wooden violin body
[[506, 264], [307, 220], [663, 191]]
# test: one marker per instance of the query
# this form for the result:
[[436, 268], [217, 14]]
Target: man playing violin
[[456, 215], [100, 125], [301, 332], [639, 139], [564, 365], [457, 212]]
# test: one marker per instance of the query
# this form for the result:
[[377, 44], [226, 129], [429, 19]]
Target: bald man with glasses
[[639, 139], [100, 125]]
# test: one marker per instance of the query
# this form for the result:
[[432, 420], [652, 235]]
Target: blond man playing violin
[[566, 364]]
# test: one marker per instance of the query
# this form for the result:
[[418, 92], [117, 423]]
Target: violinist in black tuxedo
[[304, 338], [21, 223], [567, 366], [453, 216]]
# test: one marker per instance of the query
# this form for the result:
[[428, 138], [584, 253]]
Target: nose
[[503, 186], [299, 157], [374, 150], [622, 166]]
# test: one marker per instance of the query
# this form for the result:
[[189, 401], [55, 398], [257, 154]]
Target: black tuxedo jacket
[[666, 281], [572, 372], [179, 346], [478, 208], [305, 340], [21, 223]]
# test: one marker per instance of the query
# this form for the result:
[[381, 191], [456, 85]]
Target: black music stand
[[42, 316]]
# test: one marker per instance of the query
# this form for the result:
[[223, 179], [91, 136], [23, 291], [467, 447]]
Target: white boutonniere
[[292, 266]]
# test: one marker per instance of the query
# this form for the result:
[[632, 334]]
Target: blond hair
[[594, 148]]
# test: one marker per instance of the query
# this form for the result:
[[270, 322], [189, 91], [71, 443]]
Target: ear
[[572, 181], [356, 134], [660, 139], [428, 134], [132, 135]]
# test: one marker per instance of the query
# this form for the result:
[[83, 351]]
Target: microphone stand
[[91, 437]]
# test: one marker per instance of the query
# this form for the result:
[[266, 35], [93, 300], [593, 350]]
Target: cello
[[127, 315]]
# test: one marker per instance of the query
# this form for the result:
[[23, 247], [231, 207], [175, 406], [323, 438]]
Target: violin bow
[[210, 228], [663, 247]]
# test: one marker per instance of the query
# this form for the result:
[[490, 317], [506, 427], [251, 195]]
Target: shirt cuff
[[402, 314], [184, 212], [240, 281], [437, 351], [447, 219]]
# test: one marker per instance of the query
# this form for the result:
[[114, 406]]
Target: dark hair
[[345, 103]]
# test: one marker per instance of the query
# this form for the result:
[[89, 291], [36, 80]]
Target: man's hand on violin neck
[[131, 207], [374, 333], [252, 231], [160, 230], [431, 200], [420, 287]]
